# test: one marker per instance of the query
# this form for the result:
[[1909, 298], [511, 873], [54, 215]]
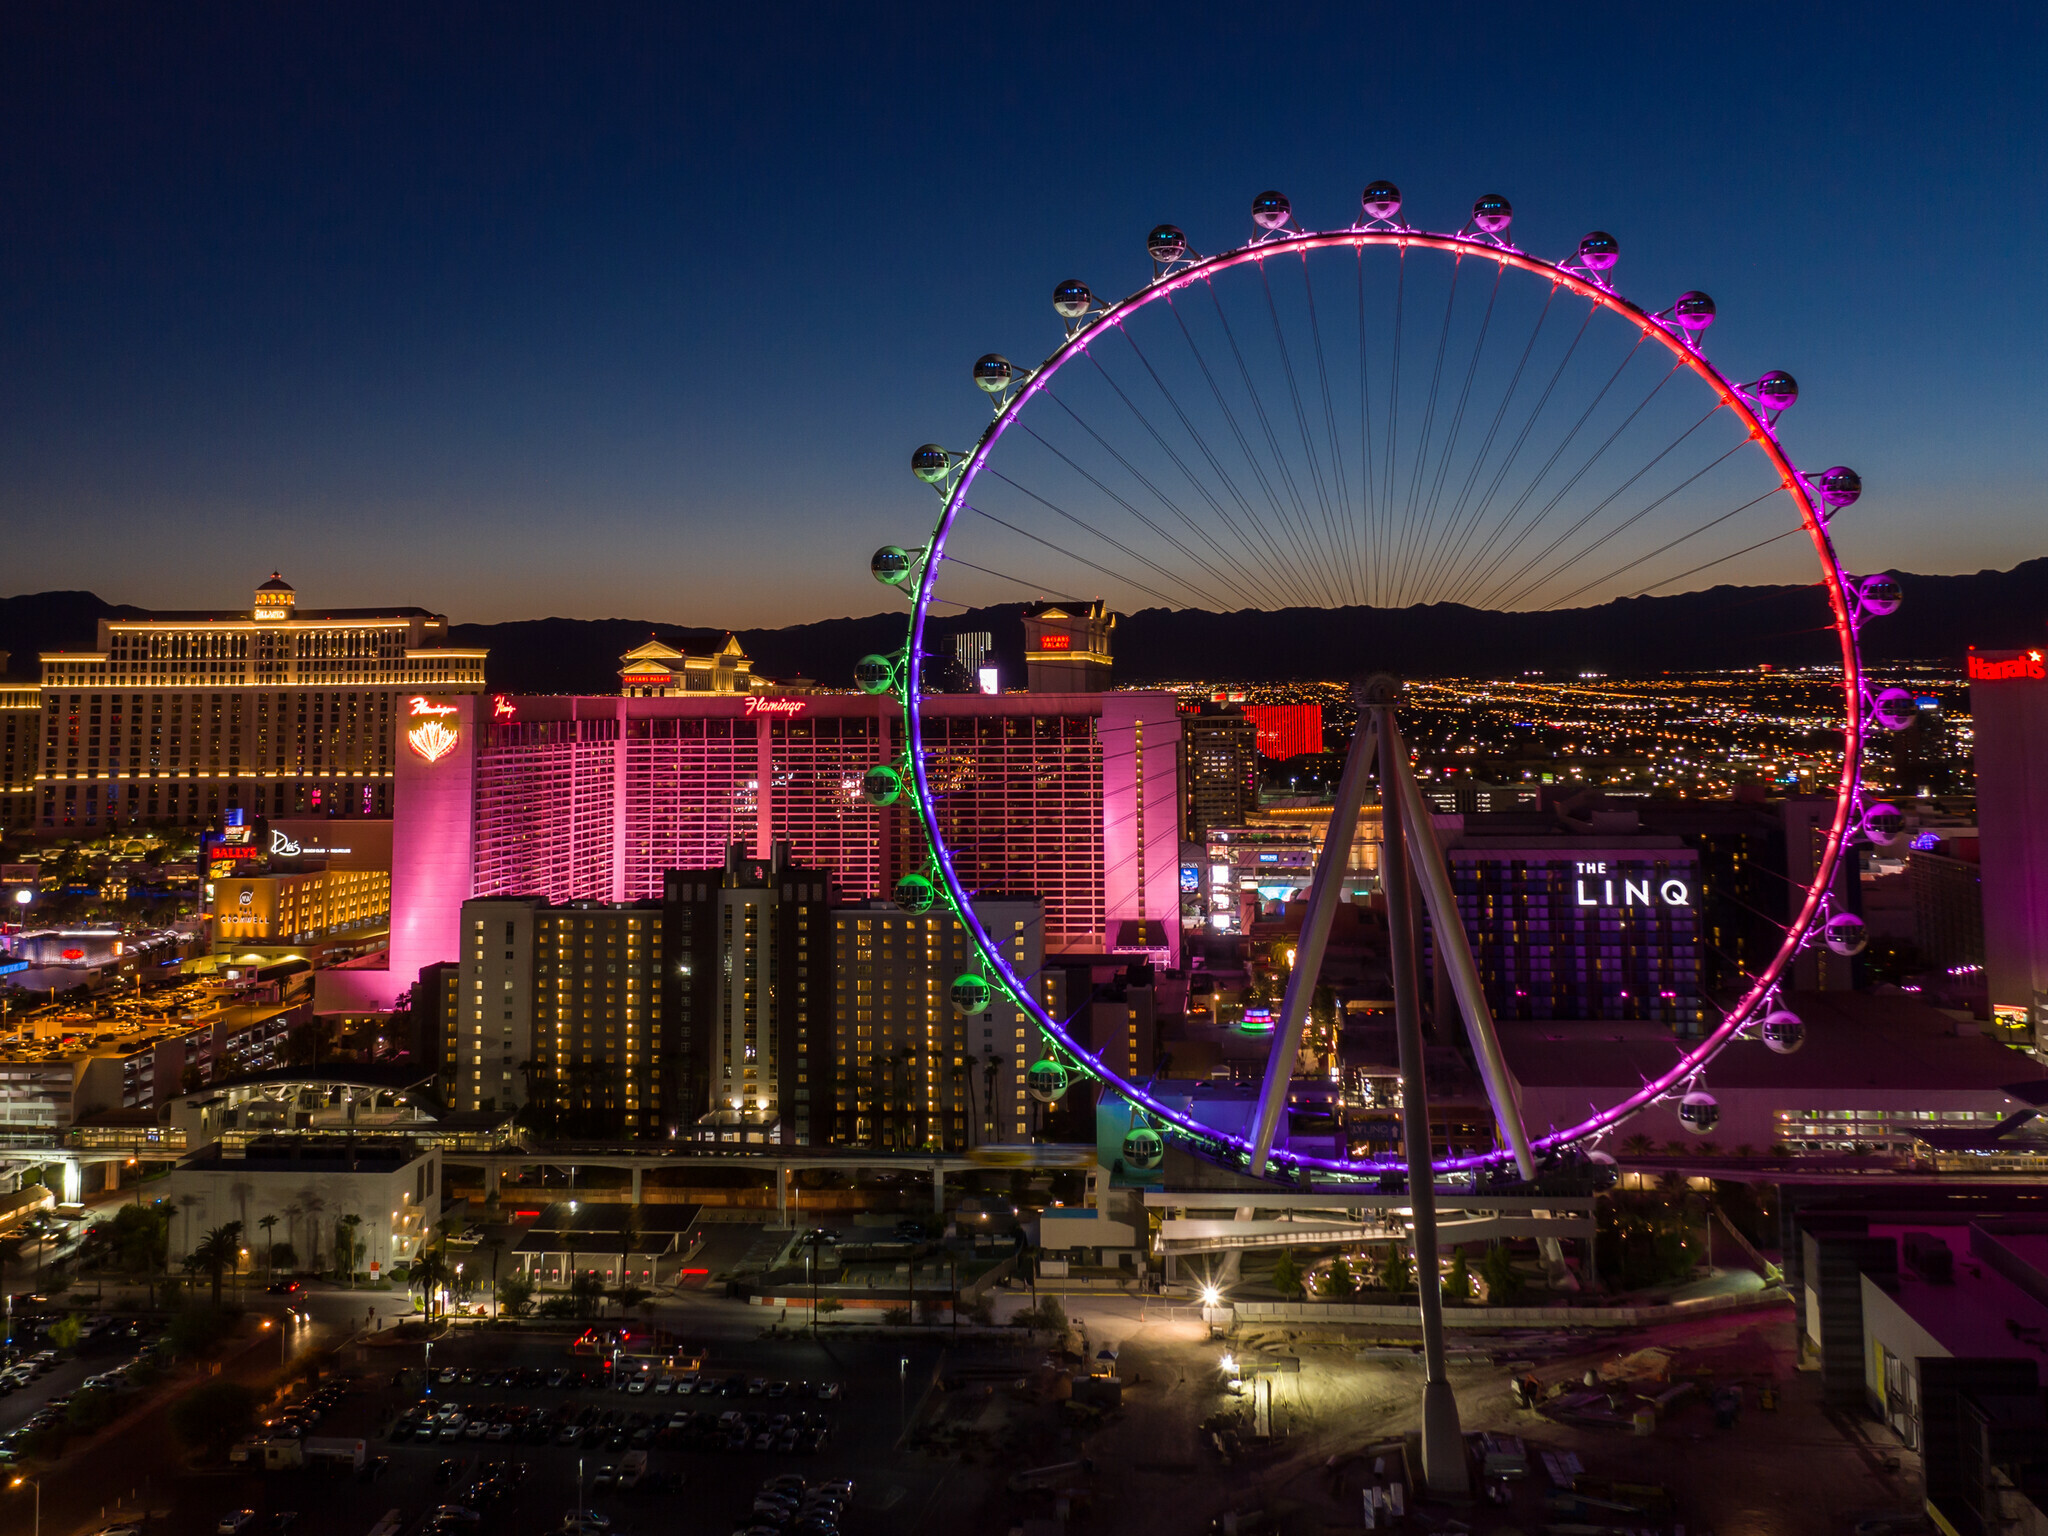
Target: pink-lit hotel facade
[[1071, 797]]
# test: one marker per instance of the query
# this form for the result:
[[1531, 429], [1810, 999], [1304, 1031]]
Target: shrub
[[214, 1416]]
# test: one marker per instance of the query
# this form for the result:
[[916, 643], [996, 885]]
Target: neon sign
[[1672, 892], [502, 708], [789, 707], [433, 738], [2029, 665], [1055, 642]]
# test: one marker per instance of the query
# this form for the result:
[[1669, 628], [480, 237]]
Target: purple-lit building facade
[[1072, 797], [2009, 718]]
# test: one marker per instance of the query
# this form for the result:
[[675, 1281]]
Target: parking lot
[[513, 1450]]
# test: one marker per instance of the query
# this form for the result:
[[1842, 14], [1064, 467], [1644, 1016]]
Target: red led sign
[[2029, 665], [1055, 642]]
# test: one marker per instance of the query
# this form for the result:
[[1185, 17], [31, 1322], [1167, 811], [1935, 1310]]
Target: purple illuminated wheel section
[[1373, 418]]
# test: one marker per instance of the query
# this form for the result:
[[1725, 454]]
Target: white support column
[[1326, 891], [1443, 1442]]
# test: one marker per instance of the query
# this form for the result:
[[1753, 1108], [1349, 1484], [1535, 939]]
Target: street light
[[37, 1484]]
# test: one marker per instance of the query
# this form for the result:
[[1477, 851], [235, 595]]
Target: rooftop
[[1855, 1041]]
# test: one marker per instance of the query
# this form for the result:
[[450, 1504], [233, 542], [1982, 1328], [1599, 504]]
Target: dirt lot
[[1792, 1470]]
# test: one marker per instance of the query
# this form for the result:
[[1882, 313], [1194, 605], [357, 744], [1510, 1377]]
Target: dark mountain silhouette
[[1942, 616]]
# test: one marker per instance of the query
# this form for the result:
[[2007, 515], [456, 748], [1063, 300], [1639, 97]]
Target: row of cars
[[298, 1418], [596, 1428], [788, 1506], [643, 1381]]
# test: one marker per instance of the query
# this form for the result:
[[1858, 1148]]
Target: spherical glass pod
[[1883, 822], [915, 895], [1166, 243], [881, 785], [1778, 390], [1698, 1112], [1847, 934], [1694, 311], [1144, 1148], [971, 992], [993, 373], [1492, 214], [1072, 299], [1840, 487], [891, 565], [1381, 200], [1271, 210], [1880, 595], [1047, 1081], [931, 463], [1599, 251], [1894, 709], [874, 674], [1784, 1031]]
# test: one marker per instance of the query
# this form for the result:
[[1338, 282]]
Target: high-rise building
[[1925, 758], [1577, 926], [1947, 884], [1222, 775], [21, 740], [751, 990], [175, 717], [561, 1012], [1074, 798], [1287, 730], [2009, 719], [908, 1069]]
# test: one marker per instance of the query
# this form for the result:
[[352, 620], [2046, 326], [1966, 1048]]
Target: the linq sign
[[1597, 886]]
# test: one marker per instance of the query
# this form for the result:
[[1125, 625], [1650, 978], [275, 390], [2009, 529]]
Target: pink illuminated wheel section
[[1324, 425]]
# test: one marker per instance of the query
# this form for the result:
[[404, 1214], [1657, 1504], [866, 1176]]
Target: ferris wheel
[[1376, 416]]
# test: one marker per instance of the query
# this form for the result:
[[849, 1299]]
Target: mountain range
[[1719, 628]]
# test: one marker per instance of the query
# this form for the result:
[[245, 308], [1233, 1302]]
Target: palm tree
[[269, 1225], [217, 1253], [345, 1230], [494, 1245], [429, 1272], [292, 1213], [1639, 1145]]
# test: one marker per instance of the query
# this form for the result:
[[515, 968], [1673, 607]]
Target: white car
[[637, 1385]]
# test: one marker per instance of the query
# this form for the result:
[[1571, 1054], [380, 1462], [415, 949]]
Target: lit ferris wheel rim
[[1678, 330]]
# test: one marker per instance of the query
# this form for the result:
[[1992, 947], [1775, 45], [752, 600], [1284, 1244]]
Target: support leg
[[1443, 1443], [1454, 956], [1326, 892]]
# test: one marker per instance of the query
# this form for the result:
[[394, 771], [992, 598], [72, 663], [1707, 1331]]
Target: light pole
[[37, 1484]]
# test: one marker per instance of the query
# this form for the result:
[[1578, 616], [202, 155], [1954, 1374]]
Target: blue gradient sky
[[615, 311]]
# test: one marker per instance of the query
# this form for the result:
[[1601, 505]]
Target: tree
[[1503, 1281], [217, 1253], [1458, 1283], [494, 1245], [1639, 1145], [586, 1293], [285, 1254], [429, 1273], [214, 1416], [269, 1225], [65, 1331], [292, 1213], [1398, 1273], [627, 1297], [1339, 1284], [350, 1244], [515, 1295], [1287, 1274]]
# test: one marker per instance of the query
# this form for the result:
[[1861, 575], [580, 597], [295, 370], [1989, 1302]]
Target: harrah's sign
[[1984, 670], [787, 708]]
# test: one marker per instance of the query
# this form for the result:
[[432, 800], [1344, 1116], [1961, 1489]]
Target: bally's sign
[[1596, 886]]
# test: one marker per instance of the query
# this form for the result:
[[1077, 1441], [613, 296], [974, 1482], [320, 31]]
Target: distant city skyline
[[642, 321]]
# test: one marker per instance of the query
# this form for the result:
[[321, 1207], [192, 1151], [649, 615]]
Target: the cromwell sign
[[431, 730], [787, 708]]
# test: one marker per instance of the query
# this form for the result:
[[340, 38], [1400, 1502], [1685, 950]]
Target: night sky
[[637, 311]]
